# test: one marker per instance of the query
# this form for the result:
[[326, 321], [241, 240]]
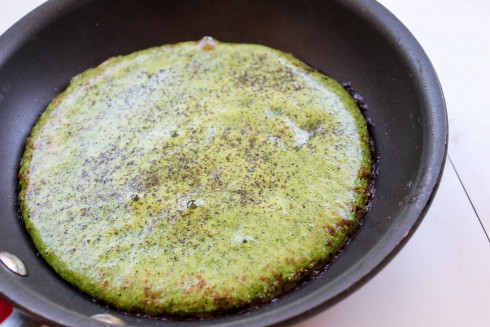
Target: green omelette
[[195, 178]]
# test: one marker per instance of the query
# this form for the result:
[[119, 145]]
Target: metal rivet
[[109, 319], [13, 263]]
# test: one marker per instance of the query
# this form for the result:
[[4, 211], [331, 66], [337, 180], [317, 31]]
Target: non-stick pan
[[356, 41]]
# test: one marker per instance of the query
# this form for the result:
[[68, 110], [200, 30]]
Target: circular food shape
[[195, 178]]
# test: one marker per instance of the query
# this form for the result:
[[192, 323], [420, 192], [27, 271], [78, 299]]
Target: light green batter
[[195, 178]]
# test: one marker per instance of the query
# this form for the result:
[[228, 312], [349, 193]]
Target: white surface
[[442, 276], [13, 10]]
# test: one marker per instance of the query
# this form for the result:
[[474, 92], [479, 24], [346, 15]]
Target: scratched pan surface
[[356, 41]]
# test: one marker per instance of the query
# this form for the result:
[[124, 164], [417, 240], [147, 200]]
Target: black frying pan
[[356, 41]]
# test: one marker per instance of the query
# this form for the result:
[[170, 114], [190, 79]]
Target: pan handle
[[17, 319]]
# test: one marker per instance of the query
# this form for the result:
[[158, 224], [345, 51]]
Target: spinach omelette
[[195, 178]]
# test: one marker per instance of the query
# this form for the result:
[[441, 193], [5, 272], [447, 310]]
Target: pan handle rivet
[[13, 263], [109, 319]]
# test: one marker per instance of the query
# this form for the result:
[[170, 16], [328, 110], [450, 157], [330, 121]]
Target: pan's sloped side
[[356, 41]]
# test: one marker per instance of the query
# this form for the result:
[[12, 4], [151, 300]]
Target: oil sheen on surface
[[195, 178]]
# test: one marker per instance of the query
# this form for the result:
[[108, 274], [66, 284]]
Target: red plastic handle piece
[[5, 310]]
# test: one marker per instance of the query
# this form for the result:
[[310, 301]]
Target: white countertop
[[442, 276]]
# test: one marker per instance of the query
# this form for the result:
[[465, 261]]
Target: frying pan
[[354, 41]]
